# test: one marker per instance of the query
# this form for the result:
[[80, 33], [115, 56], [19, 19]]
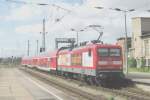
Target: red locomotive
[[94, 62]]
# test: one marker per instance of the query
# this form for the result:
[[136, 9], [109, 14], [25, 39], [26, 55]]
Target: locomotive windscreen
[[115, 52], [104, 52], [109, 58]]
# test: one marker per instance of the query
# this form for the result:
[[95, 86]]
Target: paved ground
[[139, 77], [15, 85]]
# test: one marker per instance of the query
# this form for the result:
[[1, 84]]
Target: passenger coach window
[[115, 52], [103, 52], [49, 59], [89, 53]]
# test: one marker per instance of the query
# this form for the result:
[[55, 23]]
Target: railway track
[[129, 93]]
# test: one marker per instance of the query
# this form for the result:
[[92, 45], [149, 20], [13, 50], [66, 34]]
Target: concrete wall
[[136, 38], [141, 25]]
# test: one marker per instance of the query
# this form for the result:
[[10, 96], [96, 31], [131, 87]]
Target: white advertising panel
[[64, 59], [87, 60]]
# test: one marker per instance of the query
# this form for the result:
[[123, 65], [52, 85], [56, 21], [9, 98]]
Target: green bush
[[132, 62], [143, 62], [142, 69]]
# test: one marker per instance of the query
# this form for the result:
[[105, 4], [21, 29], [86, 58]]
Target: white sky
[[20, 23]]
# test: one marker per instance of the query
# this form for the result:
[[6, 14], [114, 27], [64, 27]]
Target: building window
[[146, 46], [148, 62]]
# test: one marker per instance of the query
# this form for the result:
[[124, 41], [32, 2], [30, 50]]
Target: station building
[[140, 49]]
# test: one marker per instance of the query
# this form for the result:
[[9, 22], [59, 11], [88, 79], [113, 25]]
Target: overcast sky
[[22, 22]]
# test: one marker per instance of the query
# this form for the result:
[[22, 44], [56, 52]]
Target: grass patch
[[143, 69]]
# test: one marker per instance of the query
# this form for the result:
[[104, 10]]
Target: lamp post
[[126, 34], [77, 32]]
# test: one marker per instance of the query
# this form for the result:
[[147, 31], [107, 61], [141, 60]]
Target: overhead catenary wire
[[39, 4], [57, 19], [23, 2], [56, 15]]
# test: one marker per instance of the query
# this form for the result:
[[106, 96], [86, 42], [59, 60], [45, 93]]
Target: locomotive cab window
[[115, 52], [103, 52]]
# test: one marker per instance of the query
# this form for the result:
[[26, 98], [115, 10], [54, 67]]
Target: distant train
[[93, 62]]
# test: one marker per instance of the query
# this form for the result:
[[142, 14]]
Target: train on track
[[95, 62]]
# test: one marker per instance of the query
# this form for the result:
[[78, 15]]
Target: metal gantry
[[58, 41]]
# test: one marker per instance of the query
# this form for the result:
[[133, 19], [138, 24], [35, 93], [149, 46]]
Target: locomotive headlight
[[100, 75], [102, 62], [117, 62]]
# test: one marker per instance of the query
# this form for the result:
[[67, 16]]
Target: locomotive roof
[[92, 46], [97, 45]]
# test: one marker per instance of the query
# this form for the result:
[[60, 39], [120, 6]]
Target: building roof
[[141, 17], [123, 38]]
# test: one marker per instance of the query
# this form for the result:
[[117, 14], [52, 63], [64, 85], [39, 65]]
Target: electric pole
[[28, 51], [37, 41], [43, 37]]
